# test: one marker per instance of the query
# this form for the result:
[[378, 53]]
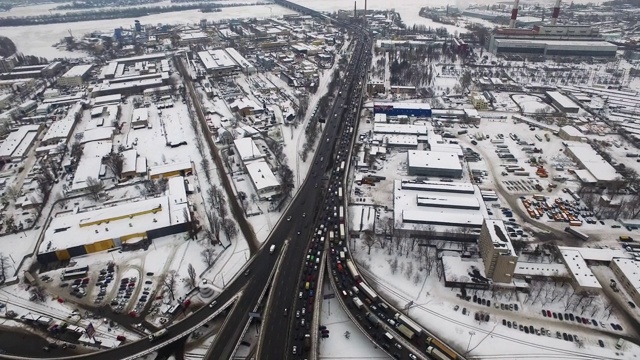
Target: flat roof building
[[218, 62], [170, 170], [18, 143], [628, 273], [590, 160], [562, 102], [75, 76], [244, 64], [583, 278], [434, 163], [263, 180], [497, 252], [570, 133], [402, 108], [247, 149]]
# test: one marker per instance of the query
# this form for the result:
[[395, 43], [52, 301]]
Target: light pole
[[471, 333]]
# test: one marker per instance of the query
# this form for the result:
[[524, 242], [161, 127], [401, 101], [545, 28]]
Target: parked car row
[[581, 320]]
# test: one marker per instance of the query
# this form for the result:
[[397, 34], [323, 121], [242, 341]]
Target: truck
[[579, 234], [373, 319], [442, 349], [436, 354], [405, 331], [357, 302], [158, 334], [272, 249]]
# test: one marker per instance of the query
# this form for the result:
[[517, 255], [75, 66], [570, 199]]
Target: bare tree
[[94, 187], [369, 240], [230, 229], [393, 264], [13, 192], [4, 267], [169, 284], [192, 276], [409, 270], [209, 256], [217, 201], [115, 162]]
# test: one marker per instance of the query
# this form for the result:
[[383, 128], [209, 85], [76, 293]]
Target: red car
[[133, 314], [549, 313], [121, 338]]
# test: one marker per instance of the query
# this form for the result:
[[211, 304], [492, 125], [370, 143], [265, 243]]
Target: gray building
[[434, 163]]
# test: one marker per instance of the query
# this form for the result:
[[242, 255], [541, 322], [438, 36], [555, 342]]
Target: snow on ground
[[433, 308], [38, 39], [17, 246], [529, 103], [337, 346]]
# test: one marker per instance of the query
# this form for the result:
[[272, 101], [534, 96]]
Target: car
[[246, 273], [300, 295], [289, 218], [464, 311], [504, 322], [213, 303], [555, 316], [594, 322], [526, 329], [570, 337], [413, 357], [294, 350], [509, 324], [521, 328], [298, 314], [571, 317], [565, 337], [549, 313], [560, 316], [544, 313], [601, 343]]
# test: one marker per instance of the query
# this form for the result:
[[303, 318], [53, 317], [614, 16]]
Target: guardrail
[[314, 351]]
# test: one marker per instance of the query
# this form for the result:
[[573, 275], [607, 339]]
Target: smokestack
[[364, 17], [556, 12], [514, 14], [355, 14]]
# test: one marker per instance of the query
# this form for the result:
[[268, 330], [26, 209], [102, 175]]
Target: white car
[[213, 303], [412, 357], [289, 218]]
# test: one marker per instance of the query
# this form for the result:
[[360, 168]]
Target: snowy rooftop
[[177, 191], [237, 57], [592, 161], [438, 186], [499, 235], [107, 223], [457, 269], [90, 164], [631, 270], [24, 135], [453, 148], [147, 57], [78, 70], [433, 159], [129, 160], [124, 86], [216, 59], [169, 168], [404, 105], [595, 254], [261, 175], [456, 201], [578, 269], [106, 99], [539, 269], [192, 35], [140, 114], [97, 134], [247, 149], [401, 140], [571, 131], [407, 129], [61, 129], [562, 100]]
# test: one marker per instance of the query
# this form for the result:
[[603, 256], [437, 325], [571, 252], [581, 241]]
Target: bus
[[341, 213], [366, 290], [340, 193], [75, 273], [352, 270], [409, 323], [342, 232]]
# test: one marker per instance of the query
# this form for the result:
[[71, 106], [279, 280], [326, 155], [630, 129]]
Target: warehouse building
[[16, 146], [434, 163], [497, 252], [218, 62], [126, 225], [244, 64], [75, 76], [584, 281], [562, 102], [263, 180], [551, 48], [184, 168], [570, 133], [596, 169], [628, 273], [422, 110]]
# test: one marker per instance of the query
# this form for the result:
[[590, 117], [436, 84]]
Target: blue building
[[402, 108]]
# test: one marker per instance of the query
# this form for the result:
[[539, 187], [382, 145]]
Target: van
[[355, 290], [272, 249], [620, 344], [625, 238]]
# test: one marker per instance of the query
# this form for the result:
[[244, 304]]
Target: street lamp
[[471, 333]]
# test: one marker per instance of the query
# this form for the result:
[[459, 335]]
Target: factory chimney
[[556, 12], [355, 14], [514, 14]]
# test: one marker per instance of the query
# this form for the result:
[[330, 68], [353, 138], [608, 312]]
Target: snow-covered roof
[[631, 270], [562, 100], [404, 105], [457, 269], [539, 269], [98, 133], [453, 148], [441, 217], [401, 140], [578, 269], [261, 175], [91, 163], [61, 129], [383, 128], [99, 100], [18, 141], [176, 190], [111, 222], [169, 168], [140, 114], [433, 160], [595, 254], [592, 161], [216, 59], [499, 235], [239, 59], [438, 186], [129, 161], [247, 149], [362, 217], [571, 131], [455, 201], [78, 70]]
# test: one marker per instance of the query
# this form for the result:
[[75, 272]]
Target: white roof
[[433, 160], [140, 114], [176, 190], [124, 86], [384, 128], [453, 148], [571, 131], [261, 175], [107, 99], [98, 133], [631, 270], [235, 55], [247, 149], [91, 162], [442, 217], [362, 217], [595, 254], [129, 160], [78, 70], [455, 201], [195, 35], [147, 57], [404, 105], [539, 269], [61, 129], [499, 235], [19, 139], [216, 59], [380, 118], [578, 269], [438, 186], [168, 168], [592, 161], [401, 140], [123, 219]]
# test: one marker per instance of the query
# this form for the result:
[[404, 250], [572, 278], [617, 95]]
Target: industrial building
[[218, 62], [75, 76], [183, 168], [140, 118], [562, 102], [584, 281], [570, 133], [498, 255], [595, 169], [444, 207], [434, 163], [126, 225], [17, 145], [263, 180], [421, 110], [628, 273]]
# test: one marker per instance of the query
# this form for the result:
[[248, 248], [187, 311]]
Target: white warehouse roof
[[433, 159]]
